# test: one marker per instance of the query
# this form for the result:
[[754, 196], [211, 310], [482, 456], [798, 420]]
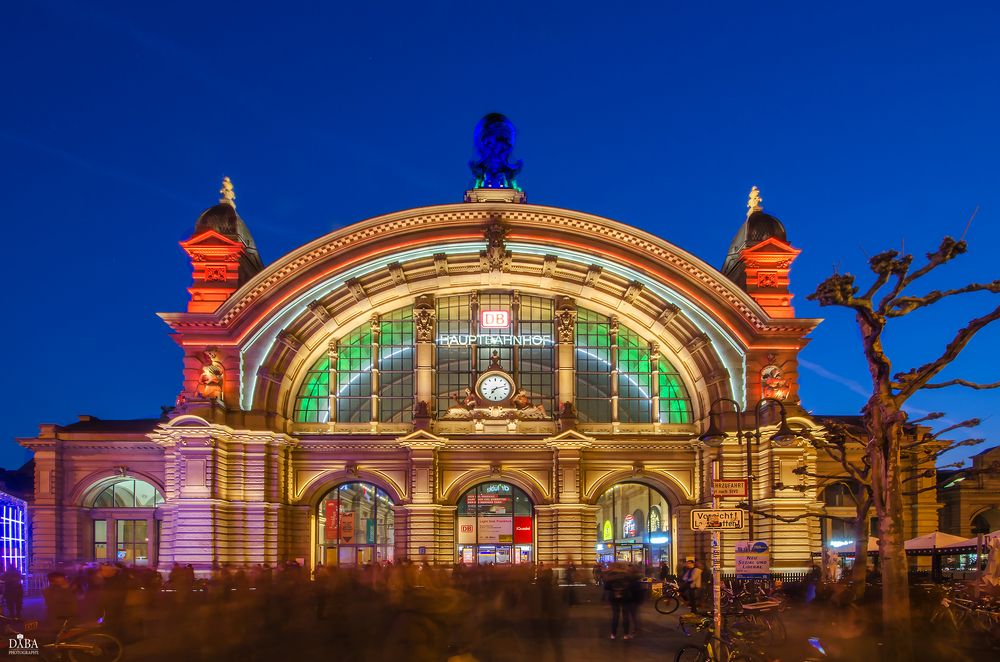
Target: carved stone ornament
[[772, 382], [121, 470], [213, 374], [423, 323], [566, 325], [496, 257]]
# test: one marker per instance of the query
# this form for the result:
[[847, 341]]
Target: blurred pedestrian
[[690, 583], [616, 587], [60, 599], [13, 592]]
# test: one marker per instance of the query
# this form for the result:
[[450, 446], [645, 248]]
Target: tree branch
[[906, 305], [915, 379], [963, 382]]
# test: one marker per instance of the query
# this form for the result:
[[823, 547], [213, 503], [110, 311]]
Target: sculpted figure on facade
[[213, 373], [772, 382], [494, 138], [566, 325]]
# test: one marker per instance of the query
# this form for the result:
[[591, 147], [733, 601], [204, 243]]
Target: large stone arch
[[314, 491], [538, 493], [665, 484]]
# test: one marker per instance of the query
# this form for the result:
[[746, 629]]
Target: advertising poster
[[466, 530], [496, 530], [522, 530], [370, 531], [331, 528], [347, 529], [753, 559]]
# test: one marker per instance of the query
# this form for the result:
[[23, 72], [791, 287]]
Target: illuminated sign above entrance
[[494, 319], [506, 340]]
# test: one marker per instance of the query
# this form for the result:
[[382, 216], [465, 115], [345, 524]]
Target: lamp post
[[714, 437]]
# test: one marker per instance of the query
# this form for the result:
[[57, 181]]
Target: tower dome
[[757, 227]]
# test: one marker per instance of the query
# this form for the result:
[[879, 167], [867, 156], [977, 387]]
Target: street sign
[[706, 519], [734, 487]]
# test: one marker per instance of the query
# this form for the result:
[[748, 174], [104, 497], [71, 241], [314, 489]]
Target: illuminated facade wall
[[14, 532], [344, 368]]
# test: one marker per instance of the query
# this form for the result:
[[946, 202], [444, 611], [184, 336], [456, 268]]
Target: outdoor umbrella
[[931, 541], [991, 575]]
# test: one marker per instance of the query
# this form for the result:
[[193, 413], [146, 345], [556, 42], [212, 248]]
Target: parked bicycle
[[670, 600], [729, 646]]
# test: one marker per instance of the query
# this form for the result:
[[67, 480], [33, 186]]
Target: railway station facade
[[489, 381]]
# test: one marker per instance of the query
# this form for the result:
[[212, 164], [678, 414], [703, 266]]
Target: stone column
[[613, 339], [571, 530], [429, 526], [566, 360], [376, 327], [424, 331]]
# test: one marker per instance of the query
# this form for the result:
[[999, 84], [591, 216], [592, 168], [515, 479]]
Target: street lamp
[[714, 437]]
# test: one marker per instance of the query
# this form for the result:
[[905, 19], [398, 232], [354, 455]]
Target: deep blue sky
[[865, 128]]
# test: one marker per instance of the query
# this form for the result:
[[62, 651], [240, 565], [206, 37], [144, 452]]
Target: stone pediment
[[421, 439], [569, 439]]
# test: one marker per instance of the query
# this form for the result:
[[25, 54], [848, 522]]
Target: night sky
[[865, 128]]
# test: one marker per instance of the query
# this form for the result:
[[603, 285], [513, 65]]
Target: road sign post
[[716, 553]]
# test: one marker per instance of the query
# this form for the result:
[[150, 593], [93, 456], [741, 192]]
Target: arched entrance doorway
[[633, 525], [355, 525], [495, 525]]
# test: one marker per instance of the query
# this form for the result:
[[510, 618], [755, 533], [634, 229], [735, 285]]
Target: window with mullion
[[536, 364], [675, 405], [354, 376], [313, 402], [635, 391], [593, 366], [395, 365], [454, 364]]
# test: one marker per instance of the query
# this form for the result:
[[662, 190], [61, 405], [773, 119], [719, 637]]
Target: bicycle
[[81, 643], [670, 600], [723, 648]]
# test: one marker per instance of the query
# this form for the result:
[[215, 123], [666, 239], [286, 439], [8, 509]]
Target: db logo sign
[[467, 528], [494, 319]]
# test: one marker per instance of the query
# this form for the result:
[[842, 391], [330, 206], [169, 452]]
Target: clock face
[[495, 388]]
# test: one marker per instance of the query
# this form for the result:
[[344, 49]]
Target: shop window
[[495, 523], [356, 525], [633, 525]]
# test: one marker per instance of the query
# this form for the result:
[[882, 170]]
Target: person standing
[[690, 582], [616, 586], [13, 592]]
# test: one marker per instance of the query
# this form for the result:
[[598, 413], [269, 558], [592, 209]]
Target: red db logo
[[494, 319]]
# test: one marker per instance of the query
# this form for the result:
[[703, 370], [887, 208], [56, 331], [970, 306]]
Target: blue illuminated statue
[[494, 139]]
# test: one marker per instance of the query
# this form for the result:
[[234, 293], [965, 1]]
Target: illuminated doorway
[[355, 526], [633, 526], [495, 525]]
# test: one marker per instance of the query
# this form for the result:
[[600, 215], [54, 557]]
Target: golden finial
[[227, 192], [755, 203]]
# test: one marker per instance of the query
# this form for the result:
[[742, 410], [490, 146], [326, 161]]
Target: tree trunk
[[892, 555], [859, 571]]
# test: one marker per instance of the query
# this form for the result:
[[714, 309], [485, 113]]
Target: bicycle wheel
[[776, 626], [691, 654], [667, 604], [105, 648]]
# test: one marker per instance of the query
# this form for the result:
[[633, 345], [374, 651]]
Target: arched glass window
[[355, 525], [353, 369], [128, 493], [986, 521], [637, 374]]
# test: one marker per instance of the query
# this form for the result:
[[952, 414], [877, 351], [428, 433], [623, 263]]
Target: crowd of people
[[383, 611]]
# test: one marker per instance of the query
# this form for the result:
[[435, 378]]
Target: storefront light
[[840, 543], [600, 547], [659, 540]]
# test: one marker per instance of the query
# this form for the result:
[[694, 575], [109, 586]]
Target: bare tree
[[883, 414]]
